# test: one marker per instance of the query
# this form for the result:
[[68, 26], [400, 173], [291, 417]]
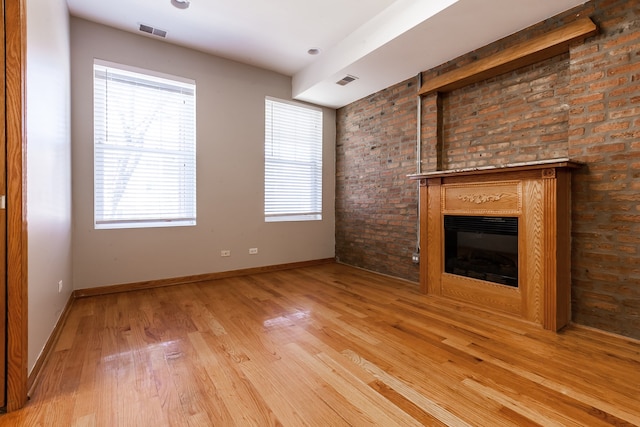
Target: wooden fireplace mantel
[[538, 194]]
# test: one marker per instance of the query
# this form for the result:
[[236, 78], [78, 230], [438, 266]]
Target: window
[[144, 148], [293, 162]]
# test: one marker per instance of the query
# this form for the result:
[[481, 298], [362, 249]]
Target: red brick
[[587, 99], [609, 126]]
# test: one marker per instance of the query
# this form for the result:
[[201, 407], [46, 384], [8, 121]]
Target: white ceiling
[[382, 42]]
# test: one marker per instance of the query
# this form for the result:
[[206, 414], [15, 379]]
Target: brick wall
[[584, 105], [376, 211], [517, 117], [604, 132]]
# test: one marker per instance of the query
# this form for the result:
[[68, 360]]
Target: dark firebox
[[482, 247]]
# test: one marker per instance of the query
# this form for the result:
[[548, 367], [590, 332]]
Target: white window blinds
[[144, 149], [293, 162]]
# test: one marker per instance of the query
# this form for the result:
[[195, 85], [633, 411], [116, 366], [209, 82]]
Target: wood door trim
[[3, 229], [17, 338]]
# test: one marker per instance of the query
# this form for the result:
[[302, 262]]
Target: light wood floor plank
[[327, 345]]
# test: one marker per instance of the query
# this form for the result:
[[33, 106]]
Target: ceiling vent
[[153, 31], [346, 80]]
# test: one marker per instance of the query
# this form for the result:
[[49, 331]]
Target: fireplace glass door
[[482, 247]]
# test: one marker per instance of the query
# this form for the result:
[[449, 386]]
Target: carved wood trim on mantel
[[520, 55], [538, 194]]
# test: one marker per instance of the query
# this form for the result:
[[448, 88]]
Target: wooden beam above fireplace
[[520, 55]]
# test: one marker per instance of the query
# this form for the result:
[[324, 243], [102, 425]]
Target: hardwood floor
[[323, 346]]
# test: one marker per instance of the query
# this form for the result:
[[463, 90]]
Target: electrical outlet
[[225, 252], [59, 286], [253, 251]]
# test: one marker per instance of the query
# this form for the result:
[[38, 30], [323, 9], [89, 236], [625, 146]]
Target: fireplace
[[482, 247], [498, 238]]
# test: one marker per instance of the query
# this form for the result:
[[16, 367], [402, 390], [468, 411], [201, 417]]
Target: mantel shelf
[[517, 56], [510, 167]]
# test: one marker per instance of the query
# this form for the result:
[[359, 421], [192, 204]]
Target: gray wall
[[48, 168], [230, 172]]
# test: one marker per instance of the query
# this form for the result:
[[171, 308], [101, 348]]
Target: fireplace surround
[[468, 220]]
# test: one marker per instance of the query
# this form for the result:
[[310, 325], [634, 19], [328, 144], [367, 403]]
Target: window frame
[[274, 208], [175, 154]]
